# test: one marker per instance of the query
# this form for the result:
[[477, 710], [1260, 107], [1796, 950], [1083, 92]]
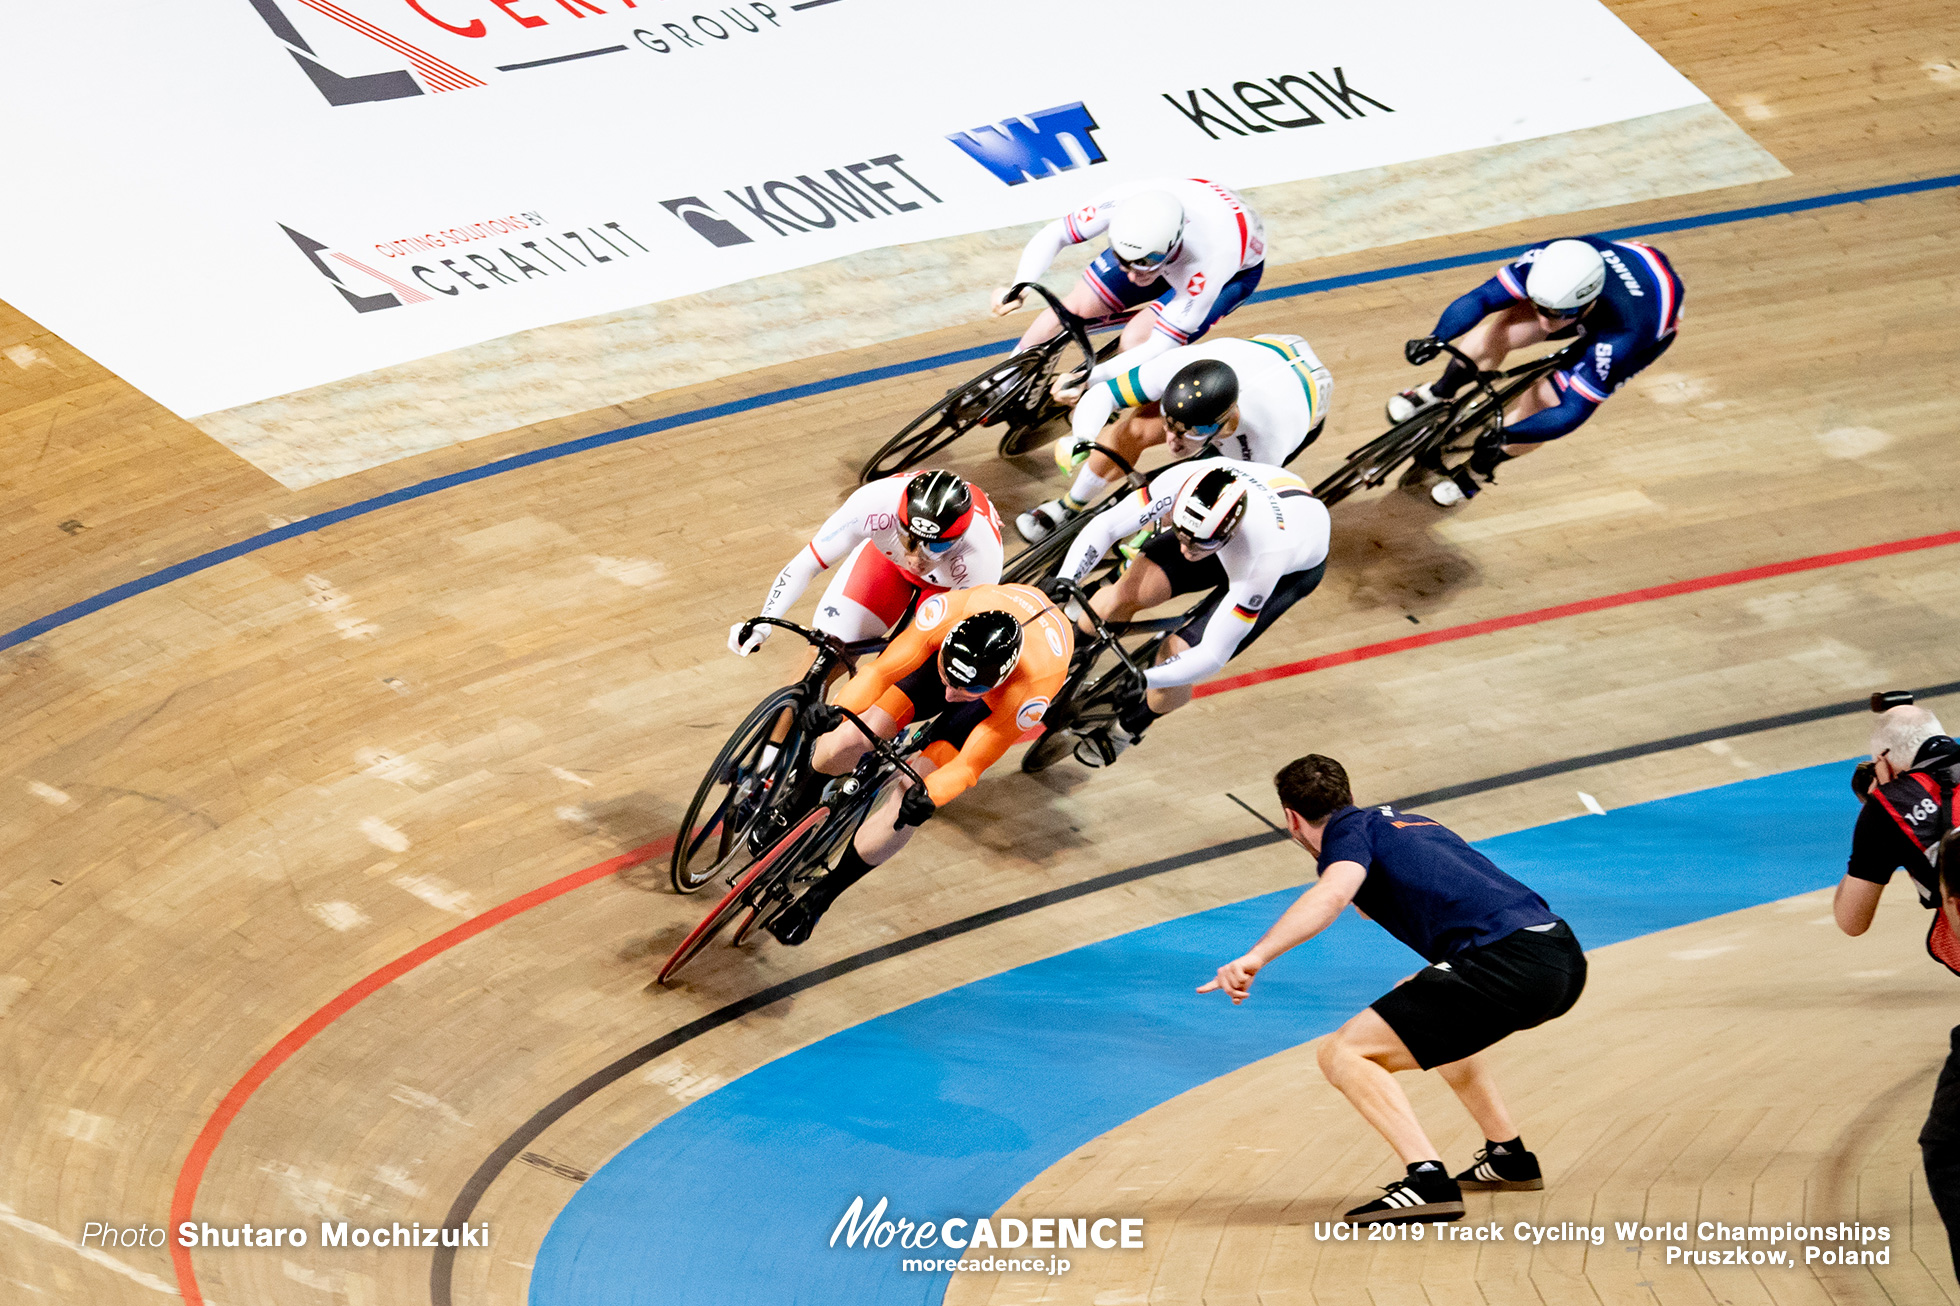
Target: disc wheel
[[1052, 747], [733, 793], [980, 402], [739, 896]]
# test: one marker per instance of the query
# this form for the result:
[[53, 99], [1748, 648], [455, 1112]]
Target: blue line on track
[[768, 399], [950, 1105]]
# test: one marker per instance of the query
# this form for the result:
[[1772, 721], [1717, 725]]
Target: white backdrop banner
[[237, 199]]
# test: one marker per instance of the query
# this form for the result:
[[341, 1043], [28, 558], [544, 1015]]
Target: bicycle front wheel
[[979, 402], [733, 793], [744, 893]]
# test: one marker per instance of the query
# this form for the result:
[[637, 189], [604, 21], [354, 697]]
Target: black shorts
[[1461, 1006], [1188, 577], [951, 722]]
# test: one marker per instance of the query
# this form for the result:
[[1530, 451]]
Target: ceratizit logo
[[1034, 145], [364, 88], [515, 250]]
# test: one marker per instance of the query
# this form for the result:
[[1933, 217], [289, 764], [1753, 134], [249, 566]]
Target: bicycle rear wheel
[[741, 895], [1371, 464], [733, 793], [979, 402]]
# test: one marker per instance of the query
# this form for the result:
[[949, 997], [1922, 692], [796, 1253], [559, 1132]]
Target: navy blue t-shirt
[[1425, 885]]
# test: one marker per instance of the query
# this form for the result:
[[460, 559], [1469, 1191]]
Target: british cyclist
[[915, 533], [1190, 249], [1252, 533], [982, 664], [1621, 294], [1261, 400]]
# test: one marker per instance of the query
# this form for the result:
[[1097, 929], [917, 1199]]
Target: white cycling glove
[[736, 644]]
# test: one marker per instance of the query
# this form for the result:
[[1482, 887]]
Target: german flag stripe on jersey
[[1301, 369], [1245, 614], [1128, 388]]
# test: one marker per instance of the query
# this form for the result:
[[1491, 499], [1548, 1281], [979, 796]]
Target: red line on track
[[1673, 588], [192, 1173]]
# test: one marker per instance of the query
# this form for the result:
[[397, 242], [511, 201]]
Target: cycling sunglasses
[[931, 546], [1198, 546], [1557, 314], [1148, 263], [1176, 428]]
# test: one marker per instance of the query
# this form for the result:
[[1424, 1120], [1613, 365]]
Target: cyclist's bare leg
[[839, 751], [1172, 698], [1130, 434], [1516, 327], [880, 837], [1080, 300], [1144, 585]]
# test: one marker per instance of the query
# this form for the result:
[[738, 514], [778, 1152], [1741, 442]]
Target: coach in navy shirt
[[1500, 961]]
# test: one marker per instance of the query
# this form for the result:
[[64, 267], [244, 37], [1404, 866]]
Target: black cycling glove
[[915, 808], [822, 718], [1422, 350]]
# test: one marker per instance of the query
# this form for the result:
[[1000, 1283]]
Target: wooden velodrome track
[[228, 800]]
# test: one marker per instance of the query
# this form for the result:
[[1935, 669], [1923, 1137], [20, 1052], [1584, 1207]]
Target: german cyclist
[[1192, 250], [1620, 294], [1252, 533], [915, 533], [982, 664], [1262, 400]]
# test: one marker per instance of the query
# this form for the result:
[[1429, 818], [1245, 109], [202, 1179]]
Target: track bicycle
[[1037, 562], [1014, 391], [1093, 695], [1452, 427], [810, 844], [740, 787]]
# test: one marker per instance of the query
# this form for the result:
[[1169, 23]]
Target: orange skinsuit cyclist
[[982, 664]]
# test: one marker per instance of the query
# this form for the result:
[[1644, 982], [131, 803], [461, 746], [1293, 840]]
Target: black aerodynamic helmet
[[981, 651], [1201, 393], [938, 509]]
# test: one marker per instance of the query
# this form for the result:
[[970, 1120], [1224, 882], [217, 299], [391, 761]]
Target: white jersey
[[872, 515], [1285, 530], [1223, 236], [1284, 390]]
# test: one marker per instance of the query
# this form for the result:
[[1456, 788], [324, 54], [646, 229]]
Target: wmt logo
[[1035, 145]]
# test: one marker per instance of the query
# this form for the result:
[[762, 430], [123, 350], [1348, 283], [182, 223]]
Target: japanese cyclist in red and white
[[916, 533], [1621, 295]]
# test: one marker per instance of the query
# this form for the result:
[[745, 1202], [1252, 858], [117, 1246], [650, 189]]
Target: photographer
[[1907, 789], [1908, 821]]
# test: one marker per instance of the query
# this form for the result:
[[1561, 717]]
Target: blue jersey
[[1628, 326], [1425, 885]]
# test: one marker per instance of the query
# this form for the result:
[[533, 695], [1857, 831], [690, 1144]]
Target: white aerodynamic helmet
[[1566, 276], [1145, 228]]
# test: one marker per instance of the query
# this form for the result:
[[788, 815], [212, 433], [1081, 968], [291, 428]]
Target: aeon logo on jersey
[[364, 88], [1034, 145]]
